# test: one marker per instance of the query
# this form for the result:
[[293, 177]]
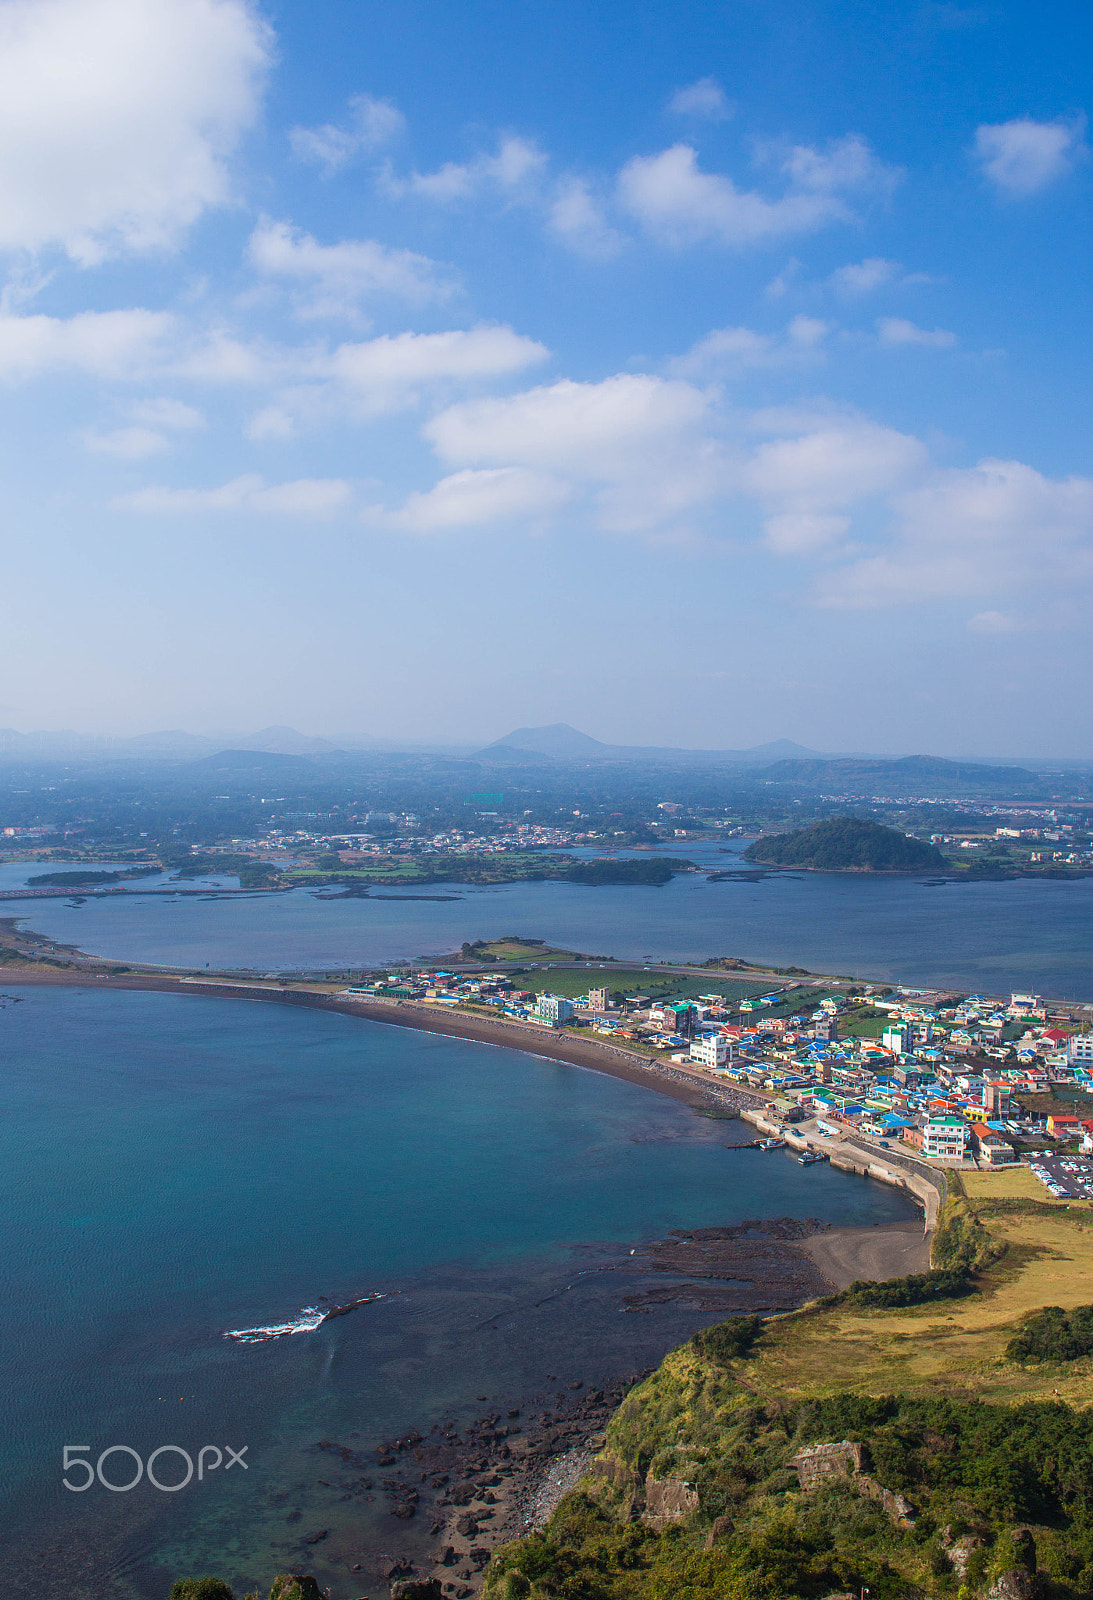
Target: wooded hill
[[847, 844]]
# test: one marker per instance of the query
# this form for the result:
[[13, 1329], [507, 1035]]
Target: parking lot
[[1066, 1177]]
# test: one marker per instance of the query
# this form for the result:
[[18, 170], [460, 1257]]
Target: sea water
[[987, 937], [174, 1168]]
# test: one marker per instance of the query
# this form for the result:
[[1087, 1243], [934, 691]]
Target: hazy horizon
[[472, 743]]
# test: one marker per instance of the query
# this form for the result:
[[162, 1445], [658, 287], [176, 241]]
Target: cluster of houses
[[945, 1077]]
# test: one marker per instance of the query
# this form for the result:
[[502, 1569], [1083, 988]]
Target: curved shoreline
[[691, 1088], [677, 1082]]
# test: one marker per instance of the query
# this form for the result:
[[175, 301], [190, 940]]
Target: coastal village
[[964, 1080]]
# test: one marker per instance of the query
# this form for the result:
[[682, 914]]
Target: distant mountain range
[[559, 742], [173, 745], [780, 764]]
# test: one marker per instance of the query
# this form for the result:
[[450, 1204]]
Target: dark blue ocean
[[175, 1167]]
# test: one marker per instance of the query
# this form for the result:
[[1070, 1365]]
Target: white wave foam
[[310, 1318]]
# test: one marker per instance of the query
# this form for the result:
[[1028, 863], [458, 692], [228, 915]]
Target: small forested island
[[847, 844]]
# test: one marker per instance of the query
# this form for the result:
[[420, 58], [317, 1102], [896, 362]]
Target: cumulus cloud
[[577, 217], [164, 412], [680, 204], [308, 497], [372, 124], [643, 443], [151, 423], [999, 527], [476, 496], [705, 98], [728, 351], [333, 279], [517, 164], [862, 277], [118, 118], [403, 361], [368, 377], [101, 344], [126, 444], [820, 467], [1023, 156], [898, 331]]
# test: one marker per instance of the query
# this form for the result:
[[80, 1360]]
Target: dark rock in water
[[317, 1538], [480, 1557], [416, 1589], [446, 1556], [404, 1509], [466, 1525]]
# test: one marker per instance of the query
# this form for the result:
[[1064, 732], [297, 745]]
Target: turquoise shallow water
[[992, 937], [171, 1168]]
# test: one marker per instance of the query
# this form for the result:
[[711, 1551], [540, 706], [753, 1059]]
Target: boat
[[807, 1157], [772, 1144]]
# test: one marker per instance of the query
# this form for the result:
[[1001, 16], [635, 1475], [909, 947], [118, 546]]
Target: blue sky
[[693, 373]]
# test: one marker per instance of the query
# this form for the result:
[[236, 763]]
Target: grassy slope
[[730, 1433]]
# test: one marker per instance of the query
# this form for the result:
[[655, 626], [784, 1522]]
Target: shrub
[[1054, 1335], [728, 1341]]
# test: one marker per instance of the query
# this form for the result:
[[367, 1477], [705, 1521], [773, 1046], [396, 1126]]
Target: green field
[[635, 980]]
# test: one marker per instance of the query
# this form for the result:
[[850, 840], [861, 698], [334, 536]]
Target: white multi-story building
[[715, 1050], [553, 1008], [1080, 1049], [944, 1136]]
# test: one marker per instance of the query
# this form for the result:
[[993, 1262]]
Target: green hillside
[[957, 1466], [847, 844]]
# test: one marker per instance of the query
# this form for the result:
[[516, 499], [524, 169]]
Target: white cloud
[[126, 444], [993, 623], [102, 344], [272, 422], [117, 117], [727, 352], [152, 421], [517, 164], [334, 278], [823, 466], [373, 124], [163, 412], [679, 204], [898, 331], [401, 362], [577, 218], [997, 528], [706, 99], [845, 165], [579, 426], [645, 443], [1023, 156], [862, 277], [826, 461], [366, 378], [472, 497], [792, 533], [310, 497]]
